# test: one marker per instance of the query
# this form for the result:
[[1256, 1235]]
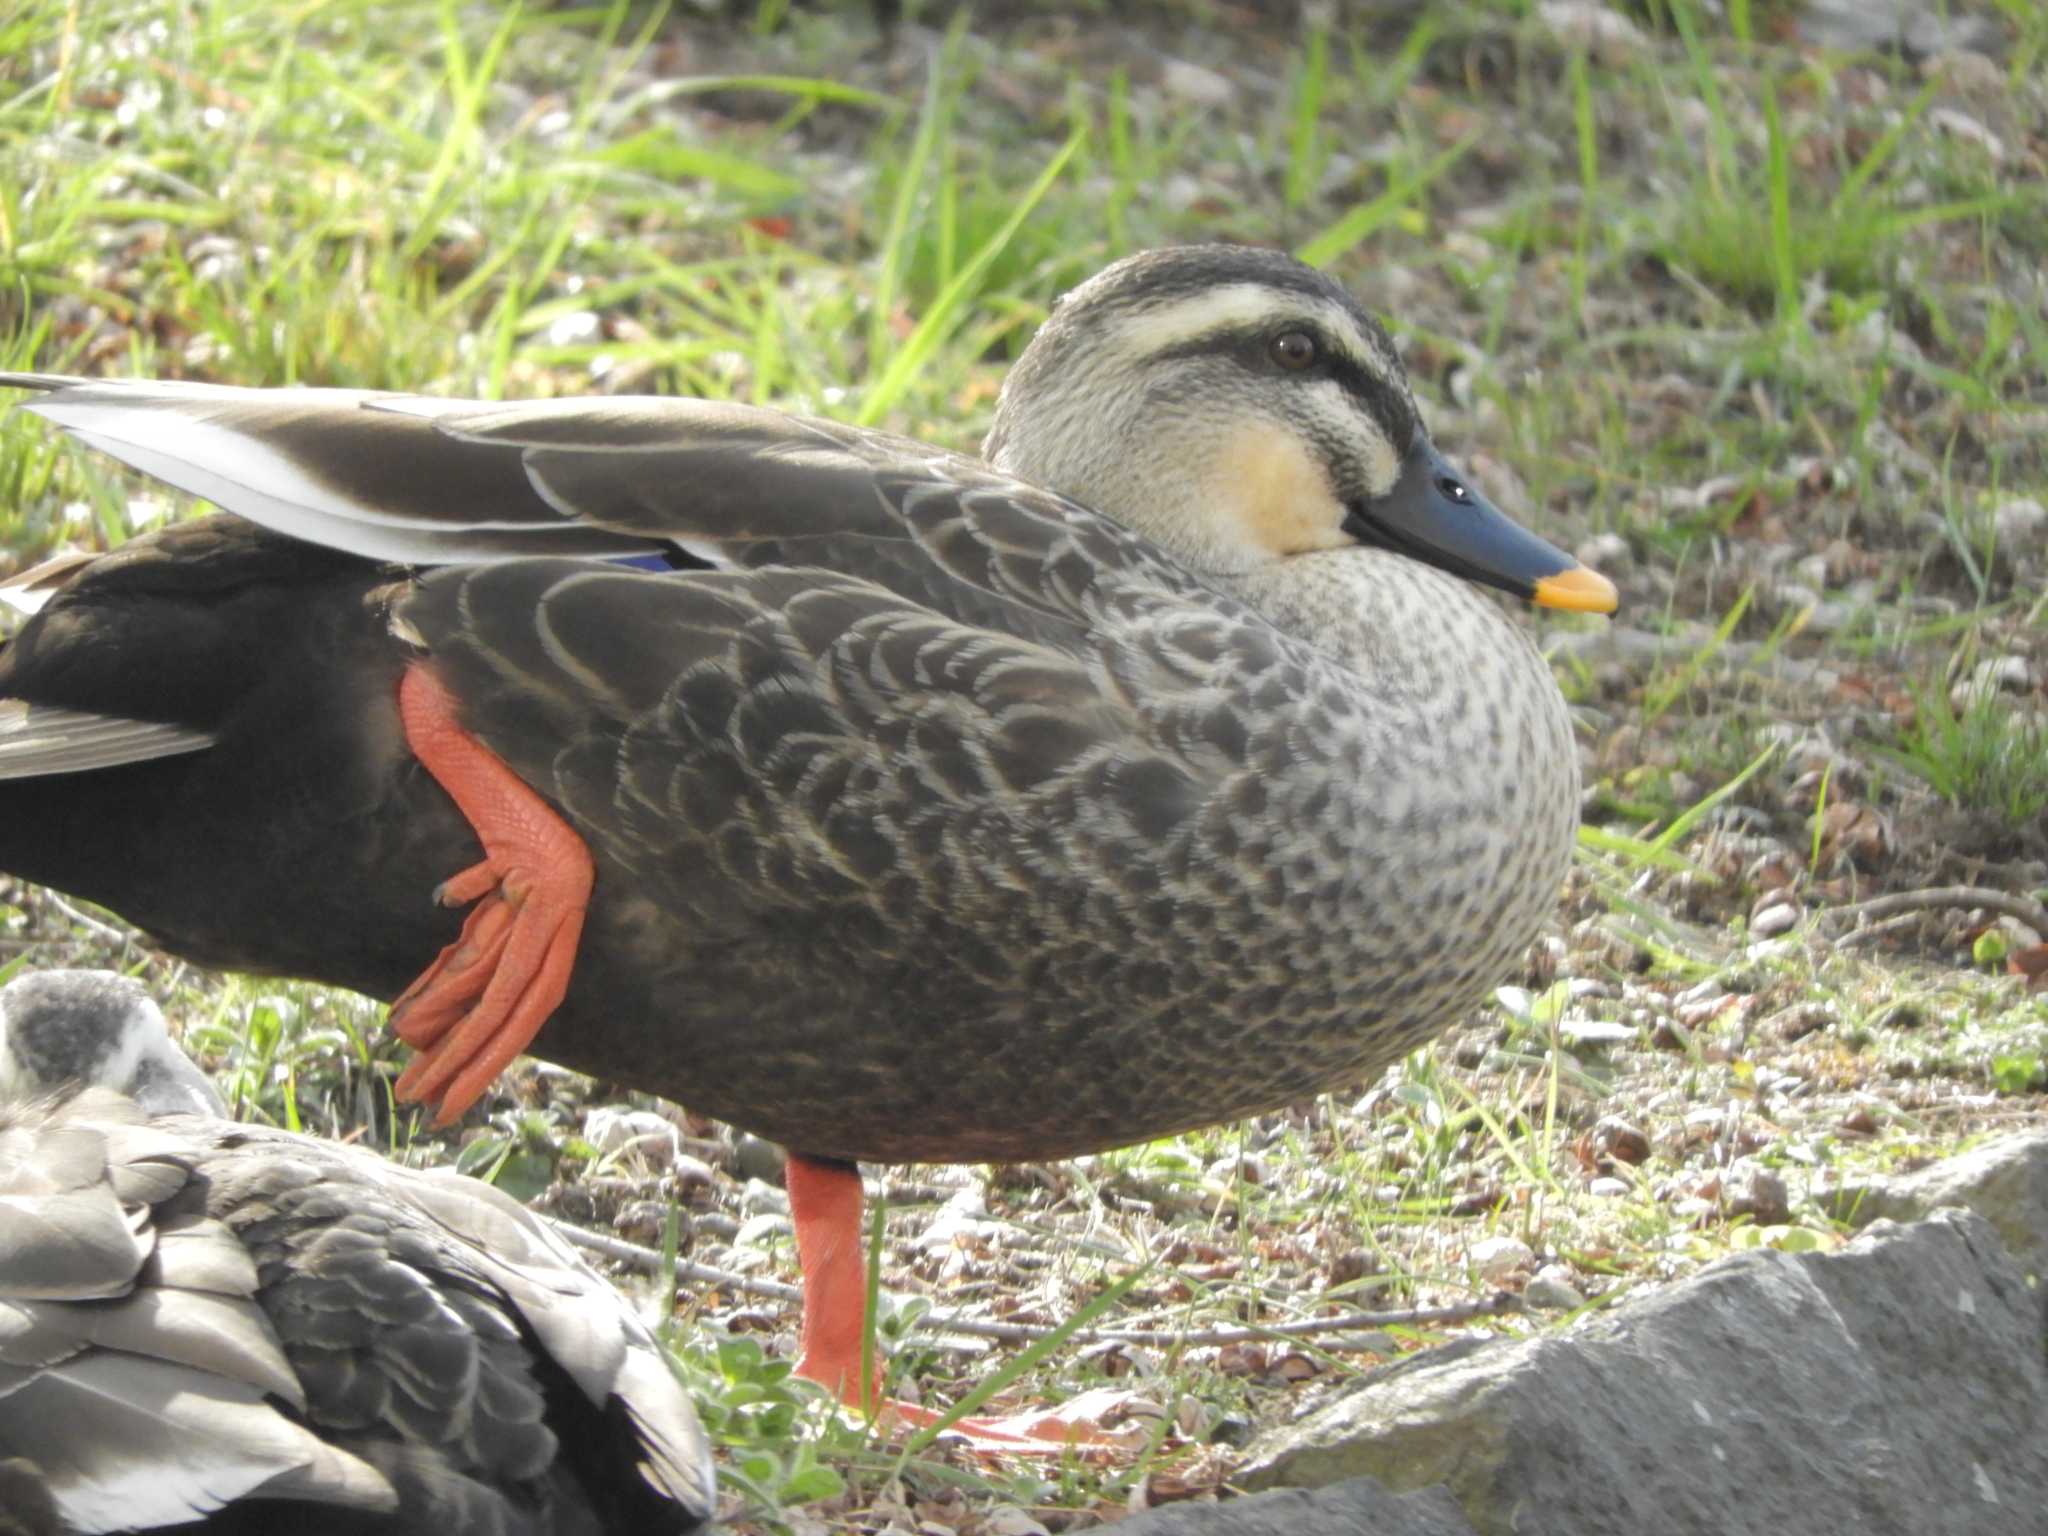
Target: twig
[[649, 1261], [1937, 898], [1307, 1327], [1875, 931], [87, 921]]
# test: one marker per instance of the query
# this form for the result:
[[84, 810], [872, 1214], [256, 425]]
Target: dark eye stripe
[[1387, 402], [1251, 347]]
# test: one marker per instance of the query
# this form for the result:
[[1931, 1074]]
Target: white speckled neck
[[1399, 624]]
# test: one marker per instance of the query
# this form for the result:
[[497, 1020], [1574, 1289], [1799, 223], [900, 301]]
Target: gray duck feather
[[27, 1507], [218, 1327], [1167, 767]]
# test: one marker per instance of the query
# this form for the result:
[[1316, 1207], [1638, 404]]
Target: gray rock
[[1896, 1387], [1357, 1504], [2004, 1181]]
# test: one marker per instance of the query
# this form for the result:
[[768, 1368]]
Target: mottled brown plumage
[[1167, 768]]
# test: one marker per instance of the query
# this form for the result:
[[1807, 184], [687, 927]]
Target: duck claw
[[433, 1004], [460, 890], [486, 996]]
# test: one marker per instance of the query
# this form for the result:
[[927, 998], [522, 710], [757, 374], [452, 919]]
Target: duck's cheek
[[1272, 496]]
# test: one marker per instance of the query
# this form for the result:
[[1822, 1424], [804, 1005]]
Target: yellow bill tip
[[1580, 589]]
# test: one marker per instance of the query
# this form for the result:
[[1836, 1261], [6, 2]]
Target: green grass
[[1986, 757], [1820, 339]]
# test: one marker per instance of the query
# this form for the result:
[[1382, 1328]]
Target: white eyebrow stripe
[[1236, 306]]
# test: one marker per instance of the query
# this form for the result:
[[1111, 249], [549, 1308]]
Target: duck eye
[[1294, 350]]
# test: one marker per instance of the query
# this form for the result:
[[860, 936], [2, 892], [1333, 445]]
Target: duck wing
[[194, 1313], [324, 466], [137, 1369], [146, 652], [579, 1322], [866, 582], [37, 740], [425, 481], [27, 1507], [441, 1334]]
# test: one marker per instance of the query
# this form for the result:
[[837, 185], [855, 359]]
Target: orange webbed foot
[[487, 995], [1072, 1426], [825, 1207]]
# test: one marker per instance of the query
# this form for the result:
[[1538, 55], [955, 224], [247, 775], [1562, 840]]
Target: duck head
[[63, 1030], [1241, 408]]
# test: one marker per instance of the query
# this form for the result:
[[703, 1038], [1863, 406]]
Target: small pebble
[[1196, 83], [1595, 1032], [646, 1222], [1552, 1291], [754, 1158], [576, 329], [758, 1231], [1832, 617], [1960, 125], [1990, 677], [1800, 1020], [1779, 917], [691, 1172], [615, 1130], [1608, 35], [1794, 597], [963, 1218], [1607, 1188], [1605, 552], [1616, 1138], [1695, 1005], [1495, 1258], [2020, 523], [1966, 72], [1750, 1189]]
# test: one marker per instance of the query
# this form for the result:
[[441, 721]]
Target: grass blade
[[949, 309], [1365, 220]]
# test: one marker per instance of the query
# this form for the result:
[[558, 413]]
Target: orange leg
[[484, 999], [825, 1207]]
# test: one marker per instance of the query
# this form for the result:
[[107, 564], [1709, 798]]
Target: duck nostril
[[1454, 489]]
